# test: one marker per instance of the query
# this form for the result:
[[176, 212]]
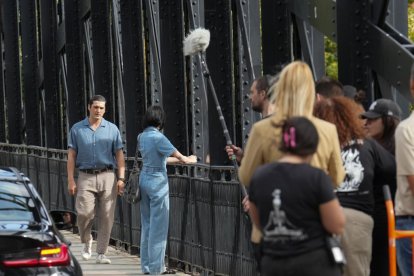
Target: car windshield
[[15, 202]]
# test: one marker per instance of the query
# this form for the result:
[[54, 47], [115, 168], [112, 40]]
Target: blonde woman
[[293, 95]]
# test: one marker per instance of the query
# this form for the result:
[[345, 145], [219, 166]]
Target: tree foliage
[[411, 20]]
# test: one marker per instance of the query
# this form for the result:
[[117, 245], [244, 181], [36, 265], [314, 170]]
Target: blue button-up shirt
[[95, 148]]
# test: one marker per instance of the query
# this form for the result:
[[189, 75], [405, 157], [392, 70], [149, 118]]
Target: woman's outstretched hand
[[190, 159]]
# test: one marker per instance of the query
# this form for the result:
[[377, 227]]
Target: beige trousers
[[357, 242], [96, 194]]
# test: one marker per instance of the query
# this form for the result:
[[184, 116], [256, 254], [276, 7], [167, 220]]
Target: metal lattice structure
[[56, 54]]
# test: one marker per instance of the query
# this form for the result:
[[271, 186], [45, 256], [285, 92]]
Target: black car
[[30, 242]]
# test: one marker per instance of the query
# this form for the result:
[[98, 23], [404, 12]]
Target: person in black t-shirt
[[381, 121], [363, 160], [295, 207]]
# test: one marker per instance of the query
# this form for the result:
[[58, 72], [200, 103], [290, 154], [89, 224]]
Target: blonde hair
[[294, 93]]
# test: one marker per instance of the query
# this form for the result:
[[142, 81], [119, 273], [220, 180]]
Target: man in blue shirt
[[95, 148]]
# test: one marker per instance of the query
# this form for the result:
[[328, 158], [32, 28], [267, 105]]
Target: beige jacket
[[263, 147]]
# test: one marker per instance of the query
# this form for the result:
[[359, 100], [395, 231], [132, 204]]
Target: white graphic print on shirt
[[278, 227], [353, 169]]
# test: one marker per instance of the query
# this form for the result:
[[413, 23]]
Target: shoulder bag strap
[[136, 167]]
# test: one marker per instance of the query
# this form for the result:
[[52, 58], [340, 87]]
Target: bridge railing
[[208, 231]]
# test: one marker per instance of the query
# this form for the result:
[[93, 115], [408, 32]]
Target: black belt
[[404, 217], [96, 171]]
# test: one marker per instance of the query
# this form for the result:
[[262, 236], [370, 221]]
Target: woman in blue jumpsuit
[[156, 150]]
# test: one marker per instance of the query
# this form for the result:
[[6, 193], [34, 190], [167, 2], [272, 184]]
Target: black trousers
[[313, 263]]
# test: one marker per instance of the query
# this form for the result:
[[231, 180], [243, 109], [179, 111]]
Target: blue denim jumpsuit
[[155, 204]]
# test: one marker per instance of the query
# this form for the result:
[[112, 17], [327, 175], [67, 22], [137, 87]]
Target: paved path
[[122, 262]]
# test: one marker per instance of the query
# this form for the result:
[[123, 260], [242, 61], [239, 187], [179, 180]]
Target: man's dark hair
[[262, 83], [299, 137], [154, 117], [329, 87], [96, 98]]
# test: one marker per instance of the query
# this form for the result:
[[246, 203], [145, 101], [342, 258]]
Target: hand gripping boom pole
[[196, 43]]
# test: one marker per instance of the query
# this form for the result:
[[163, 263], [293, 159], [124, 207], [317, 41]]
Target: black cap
[[382, 107]]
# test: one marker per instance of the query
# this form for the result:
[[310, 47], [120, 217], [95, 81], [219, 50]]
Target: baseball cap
[[382, 107]]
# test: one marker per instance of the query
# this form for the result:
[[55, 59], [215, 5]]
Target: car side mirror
[[63, 219]]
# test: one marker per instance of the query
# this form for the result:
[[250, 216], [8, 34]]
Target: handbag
[[132, 192]]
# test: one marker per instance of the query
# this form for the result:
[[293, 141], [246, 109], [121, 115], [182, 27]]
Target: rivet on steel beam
[[247, 122], [198, 123]]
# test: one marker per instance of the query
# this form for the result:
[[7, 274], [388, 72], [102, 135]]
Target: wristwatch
[[122, 179]]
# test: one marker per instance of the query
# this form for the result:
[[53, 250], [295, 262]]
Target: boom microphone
[[196, 42]]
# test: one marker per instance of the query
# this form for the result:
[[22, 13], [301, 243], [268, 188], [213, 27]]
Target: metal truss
[[56, 54]]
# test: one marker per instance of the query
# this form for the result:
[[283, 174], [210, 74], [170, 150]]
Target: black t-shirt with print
[[288, 197], [362, 161]]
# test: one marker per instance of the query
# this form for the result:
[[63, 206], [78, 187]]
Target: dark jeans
[[257, 250], [379, 260], [404, 250], [316, 262]]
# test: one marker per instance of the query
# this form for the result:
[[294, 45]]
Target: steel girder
[[3, 133], [154, 51], [198, 88], [74, 74], [12, 74], [276, 35], [218, 21], [117, 41], [49, 82], [133, 71], [29, 64], [102, 55], [249, 66], [175, 91], [140, 53], [372, 55]]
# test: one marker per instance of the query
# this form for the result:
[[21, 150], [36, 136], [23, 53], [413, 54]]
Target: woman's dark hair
[[154, 117], [388, 139], [299, 137]]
